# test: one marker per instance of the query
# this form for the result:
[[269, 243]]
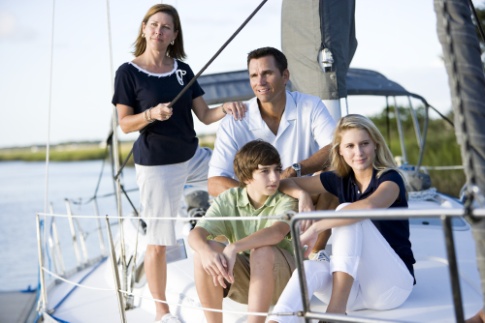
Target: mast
[[461, 52]]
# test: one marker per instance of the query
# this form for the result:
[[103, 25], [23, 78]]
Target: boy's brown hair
[[252, 154]]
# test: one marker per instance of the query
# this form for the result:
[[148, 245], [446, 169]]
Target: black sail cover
[[307, 28], [461, 52], [234, 85]]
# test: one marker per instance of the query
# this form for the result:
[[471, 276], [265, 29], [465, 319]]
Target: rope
[[198, 307], [73, 282]]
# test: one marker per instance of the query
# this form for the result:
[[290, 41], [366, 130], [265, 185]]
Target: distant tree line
[[440, 148]]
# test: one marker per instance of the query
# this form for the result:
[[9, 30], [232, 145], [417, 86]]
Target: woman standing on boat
[[372, 262], [167, 154]]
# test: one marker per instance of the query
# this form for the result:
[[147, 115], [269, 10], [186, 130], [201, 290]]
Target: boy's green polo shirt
[[235, 202]]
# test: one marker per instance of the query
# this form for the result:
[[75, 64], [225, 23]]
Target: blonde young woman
[[371, 265], [167, 154]]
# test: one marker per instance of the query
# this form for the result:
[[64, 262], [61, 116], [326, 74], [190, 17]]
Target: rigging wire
[[49, 110], [96, 196], [42, 300]]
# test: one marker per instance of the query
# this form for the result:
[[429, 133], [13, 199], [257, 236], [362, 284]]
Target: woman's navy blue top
[[161, 142], [396, 232]]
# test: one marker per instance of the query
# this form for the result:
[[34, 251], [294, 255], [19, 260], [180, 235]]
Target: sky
[[57, 65]]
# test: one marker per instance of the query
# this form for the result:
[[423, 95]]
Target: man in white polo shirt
[[298, 125]]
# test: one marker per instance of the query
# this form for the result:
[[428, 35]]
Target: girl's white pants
[[381, 279]]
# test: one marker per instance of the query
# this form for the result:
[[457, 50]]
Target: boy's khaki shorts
[[282, 270]]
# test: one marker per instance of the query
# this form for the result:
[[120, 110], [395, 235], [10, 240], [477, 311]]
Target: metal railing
[[445, 215], [385, 214], [77, 234]]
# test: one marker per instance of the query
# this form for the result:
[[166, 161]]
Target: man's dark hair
[[279, 57]]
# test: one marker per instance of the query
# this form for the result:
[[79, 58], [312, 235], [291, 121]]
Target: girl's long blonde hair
[[383, 157]]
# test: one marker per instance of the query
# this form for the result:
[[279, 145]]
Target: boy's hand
[[215, 264], [230, 254]]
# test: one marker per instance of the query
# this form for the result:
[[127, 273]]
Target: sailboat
[[431, 301], [111, 287]]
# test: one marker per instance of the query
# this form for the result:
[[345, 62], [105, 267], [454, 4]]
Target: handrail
[[395, 213], [389, 214]]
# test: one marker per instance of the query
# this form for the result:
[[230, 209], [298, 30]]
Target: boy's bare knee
[[197, 262], [263, 254]]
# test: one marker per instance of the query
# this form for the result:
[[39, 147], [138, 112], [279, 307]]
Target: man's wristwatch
[[297, 168]]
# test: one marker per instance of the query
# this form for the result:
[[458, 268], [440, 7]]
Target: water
[[22, 194]]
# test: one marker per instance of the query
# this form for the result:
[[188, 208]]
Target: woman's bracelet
[[223, 110], [147, 115]]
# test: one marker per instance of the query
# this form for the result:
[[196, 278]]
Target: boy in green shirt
[[258, 261]]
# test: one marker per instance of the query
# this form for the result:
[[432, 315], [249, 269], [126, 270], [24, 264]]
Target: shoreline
[[76, 151]]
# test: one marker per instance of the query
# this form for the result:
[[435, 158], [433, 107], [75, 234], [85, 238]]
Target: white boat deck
[[431, 300]]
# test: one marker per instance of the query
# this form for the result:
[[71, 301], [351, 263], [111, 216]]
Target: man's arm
[[323, 127], [218, 184], [316, 162]]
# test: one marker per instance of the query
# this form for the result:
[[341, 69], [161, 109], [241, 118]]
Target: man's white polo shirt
[[305, 127]]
